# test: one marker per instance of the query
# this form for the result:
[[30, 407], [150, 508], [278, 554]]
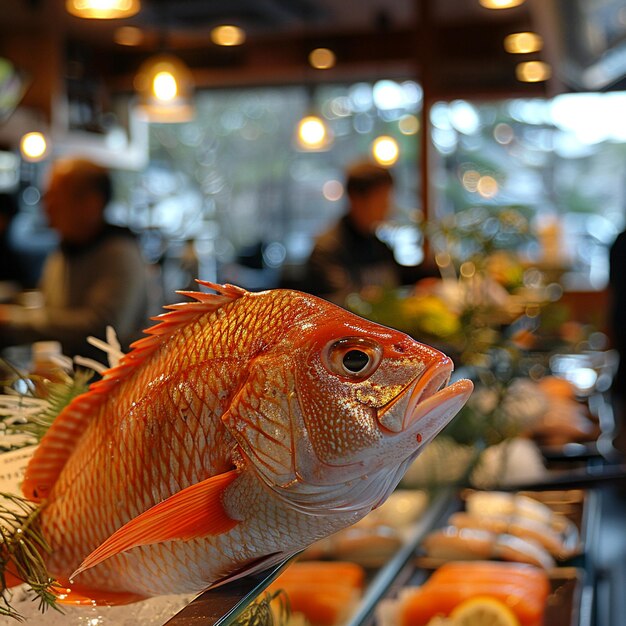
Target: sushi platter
[[567, 589]]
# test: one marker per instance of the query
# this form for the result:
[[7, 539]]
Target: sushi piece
[[543, 534], [452, 543], [324, 592], [522, 588]]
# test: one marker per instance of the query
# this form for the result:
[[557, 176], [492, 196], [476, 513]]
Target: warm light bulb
[[164, 86], [33, 146], [102, 9], [312, 132], [322, 58], [385, 150], [523, 43], [228, 35], [533, 71], [500, 4]]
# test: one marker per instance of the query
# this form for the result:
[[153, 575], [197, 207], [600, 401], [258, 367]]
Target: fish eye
[[354, 358], [355, 361]]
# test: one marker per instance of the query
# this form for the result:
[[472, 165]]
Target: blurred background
[[217, 181], [228, 126]]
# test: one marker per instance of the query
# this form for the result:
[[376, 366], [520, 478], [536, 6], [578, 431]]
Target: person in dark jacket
[[349, 256], [617, 327], [11, 263]]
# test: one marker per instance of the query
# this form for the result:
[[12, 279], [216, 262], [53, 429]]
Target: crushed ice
[[151, 612]]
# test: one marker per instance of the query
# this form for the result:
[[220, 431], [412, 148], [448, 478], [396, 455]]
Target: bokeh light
[[332, 190], [322, 58], [385, 150], [533, 71], [228, 35], [487, 186], [409, 125], [523, 43], [500, 4], [164, 86], [470, 180], [33, 146], [103, 9], [312, 133]]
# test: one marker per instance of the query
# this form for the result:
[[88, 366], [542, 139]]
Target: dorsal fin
[[58, 444], [168, 323]]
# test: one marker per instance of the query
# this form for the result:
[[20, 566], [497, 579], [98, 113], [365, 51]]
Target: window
[[561, 162], [234, 181]]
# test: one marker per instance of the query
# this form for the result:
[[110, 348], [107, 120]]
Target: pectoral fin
[[76, 595], [196, 511]]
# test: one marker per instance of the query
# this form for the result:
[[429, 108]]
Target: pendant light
[[500, 4], [165, 87], [312, 133], [385, 150], [102, 9], [228, 35]]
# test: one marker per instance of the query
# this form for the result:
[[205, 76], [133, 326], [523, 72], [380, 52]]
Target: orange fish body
[[242, 429]]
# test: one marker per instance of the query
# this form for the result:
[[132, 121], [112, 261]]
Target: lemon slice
[[483, 611]]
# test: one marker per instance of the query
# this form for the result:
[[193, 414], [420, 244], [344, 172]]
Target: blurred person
[[11, 263], [96, 277], [617, 330], [349, 256]]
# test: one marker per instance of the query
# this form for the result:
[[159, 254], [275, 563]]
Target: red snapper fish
[[243, 428]]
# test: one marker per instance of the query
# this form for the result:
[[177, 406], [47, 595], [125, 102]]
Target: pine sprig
[[59, 396], [21, 547]]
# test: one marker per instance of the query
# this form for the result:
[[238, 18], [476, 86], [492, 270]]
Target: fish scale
[[232, 436]]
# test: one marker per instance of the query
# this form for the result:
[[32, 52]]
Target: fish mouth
[[428, 405]]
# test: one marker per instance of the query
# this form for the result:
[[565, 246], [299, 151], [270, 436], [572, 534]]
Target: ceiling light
[[523, 43], [33, 146], [322, 58], [500, 4], [385, 150], [228, 35], [533, 71], [312, 133], [165, 87], [102, 9]]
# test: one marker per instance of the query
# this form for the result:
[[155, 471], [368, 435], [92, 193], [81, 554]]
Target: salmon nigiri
[[325, 592], [523, 588], [244, 427]]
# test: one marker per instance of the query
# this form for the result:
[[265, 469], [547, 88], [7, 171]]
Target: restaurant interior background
[[223, 182], [505, 130]]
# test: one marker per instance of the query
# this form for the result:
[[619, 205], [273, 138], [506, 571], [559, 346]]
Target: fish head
[[370, 397], [354, 403]]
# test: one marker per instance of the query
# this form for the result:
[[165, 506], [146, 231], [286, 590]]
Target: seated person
[[11, 270], [96, 277], [349, 256]]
